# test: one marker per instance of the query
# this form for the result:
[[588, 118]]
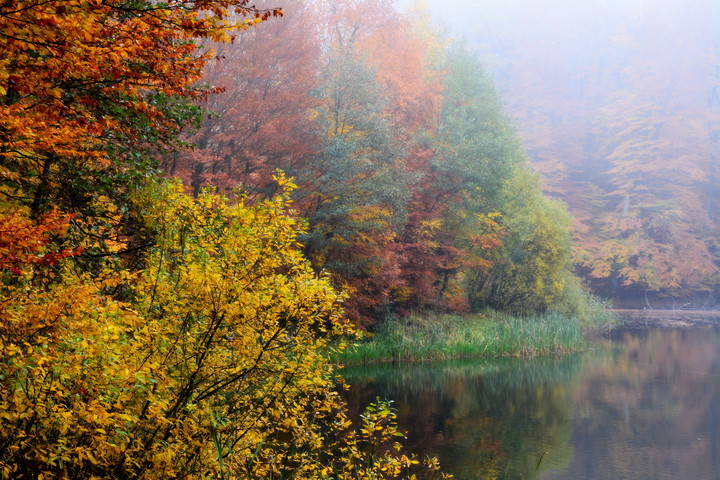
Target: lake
[[644, 404]]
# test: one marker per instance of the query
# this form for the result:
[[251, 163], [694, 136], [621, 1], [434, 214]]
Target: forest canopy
[[413, 181]]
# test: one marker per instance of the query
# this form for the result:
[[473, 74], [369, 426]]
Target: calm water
[[644, 406]]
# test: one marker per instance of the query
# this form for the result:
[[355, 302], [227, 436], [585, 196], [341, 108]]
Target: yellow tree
[[215, 367]]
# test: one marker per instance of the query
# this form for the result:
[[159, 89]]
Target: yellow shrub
[[215, 368]]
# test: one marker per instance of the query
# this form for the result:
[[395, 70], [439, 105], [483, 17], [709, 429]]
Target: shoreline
[[666, 318]]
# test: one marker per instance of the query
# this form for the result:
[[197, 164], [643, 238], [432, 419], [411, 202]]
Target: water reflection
[[643, 407]]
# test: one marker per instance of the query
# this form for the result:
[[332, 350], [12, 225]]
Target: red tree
[[262, 120]]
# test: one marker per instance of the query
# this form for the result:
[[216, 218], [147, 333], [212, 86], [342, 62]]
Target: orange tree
[[92, 87], [262, 119]]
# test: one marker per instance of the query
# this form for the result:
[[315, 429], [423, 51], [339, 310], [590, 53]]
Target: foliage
[[215, 366], [487, 334], [355, 191], [93, 89], [411, 177], [25, 244], [262, 121], [524, 259], [635, 159], [533, 266]]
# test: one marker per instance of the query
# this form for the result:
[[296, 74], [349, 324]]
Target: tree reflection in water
[[642, 407]]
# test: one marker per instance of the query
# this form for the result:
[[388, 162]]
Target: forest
[[617, 105], [203, 201], [412, 180]]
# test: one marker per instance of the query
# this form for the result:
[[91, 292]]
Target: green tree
[[354, 193], [526, 262], [532, 270]]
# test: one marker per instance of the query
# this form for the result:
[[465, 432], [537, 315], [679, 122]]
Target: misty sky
[[552, 21], [560, 63], [562, 30]]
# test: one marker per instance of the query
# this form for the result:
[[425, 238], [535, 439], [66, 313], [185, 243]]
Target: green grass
[[490, 334]]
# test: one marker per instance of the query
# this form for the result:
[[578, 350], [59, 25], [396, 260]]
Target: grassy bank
[[490, 334]]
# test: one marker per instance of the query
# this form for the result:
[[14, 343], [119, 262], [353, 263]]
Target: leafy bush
[[215, 366]]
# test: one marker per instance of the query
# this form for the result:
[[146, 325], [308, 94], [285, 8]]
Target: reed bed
[[489, 334]]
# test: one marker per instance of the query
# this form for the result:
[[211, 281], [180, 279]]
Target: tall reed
[[489, 334]]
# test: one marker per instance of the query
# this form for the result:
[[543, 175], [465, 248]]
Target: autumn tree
[[356, 189], [92, 88], [532, 270], [261, 120], [449, 227], [519, 241], [625, 135], [216, 366], [655, 237]]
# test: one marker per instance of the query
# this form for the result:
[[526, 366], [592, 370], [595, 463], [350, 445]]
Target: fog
[[567, 58], [617, 105]]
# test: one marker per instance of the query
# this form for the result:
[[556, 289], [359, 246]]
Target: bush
[[214, 368]]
